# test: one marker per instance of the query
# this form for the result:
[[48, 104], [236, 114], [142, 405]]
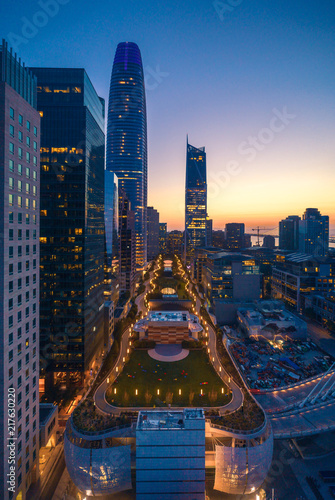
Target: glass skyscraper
[[195, 200], [72, 224], [126, 154]]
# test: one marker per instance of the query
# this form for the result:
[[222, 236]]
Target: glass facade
[[235, 236], [16, 75], [314, 233], [127, 260], [72, 221], [195, 200], [162, 236], [126, 154], [111, 215]]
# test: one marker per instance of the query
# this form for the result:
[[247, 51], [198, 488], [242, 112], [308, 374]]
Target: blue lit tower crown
[[127, 136]]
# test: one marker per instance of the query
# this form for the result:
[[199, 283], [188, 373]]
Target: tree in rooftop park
[[213, 396], [169, 397], [125, 399], [148, 397]]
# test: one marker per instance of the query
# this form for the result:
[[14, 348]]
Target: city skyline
[[167, 313], [243, 79]]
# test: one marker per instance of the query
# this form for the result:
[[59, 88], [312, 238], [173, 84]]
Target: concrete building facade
[[19, 276]]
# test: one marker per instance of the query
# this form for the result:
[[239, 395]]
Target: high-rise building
[[111, 215], [72, 224], [195, 200], [235, 236], [219, 239], [126, 154], [162, 237], [152, 232], [209, 232], [19, 276], [314, 233], [170, 455], [289, 233], [111, 291], [231, 276], [175, 243], [127, 255]]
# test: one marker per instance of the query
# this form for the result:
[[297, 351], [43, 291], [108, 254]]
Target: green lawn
[[189, 375]]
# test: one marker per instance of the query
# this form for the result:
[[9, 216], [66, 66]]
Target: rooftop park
[[162, 280], [145, 382]]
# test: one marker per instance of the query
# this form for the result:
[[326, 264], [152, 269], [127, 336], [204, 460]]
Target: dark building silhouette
[[314, 233], [72, 224], [126, 153], [289, 233], [209, 231], [235, 239], [152, 232], [269, 241], [219, 239]]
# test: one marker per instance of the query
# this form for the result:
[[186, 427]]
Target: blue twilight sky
[[223, 75]]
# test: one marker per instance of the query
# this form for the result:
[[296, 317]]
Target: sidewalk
[[44, 477], [37, 489], [63, 486]]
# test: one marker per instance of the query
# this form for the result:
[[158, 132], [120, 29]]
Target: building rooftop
[[167, 419], [169, 316], [46, 410]]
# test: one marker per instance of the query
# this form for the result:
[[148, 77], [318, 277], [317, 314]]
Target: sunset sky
[[225, 78]]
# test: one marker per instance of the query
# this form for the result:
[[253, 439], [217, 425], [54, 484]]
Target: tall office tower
[[72, 225], [219, 239], [162, 237], [175, 243], [126, 154], [19, 276], [314, 233], [153, 232], [127, 259], [235, 236], [289, 233], [195, 201]]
